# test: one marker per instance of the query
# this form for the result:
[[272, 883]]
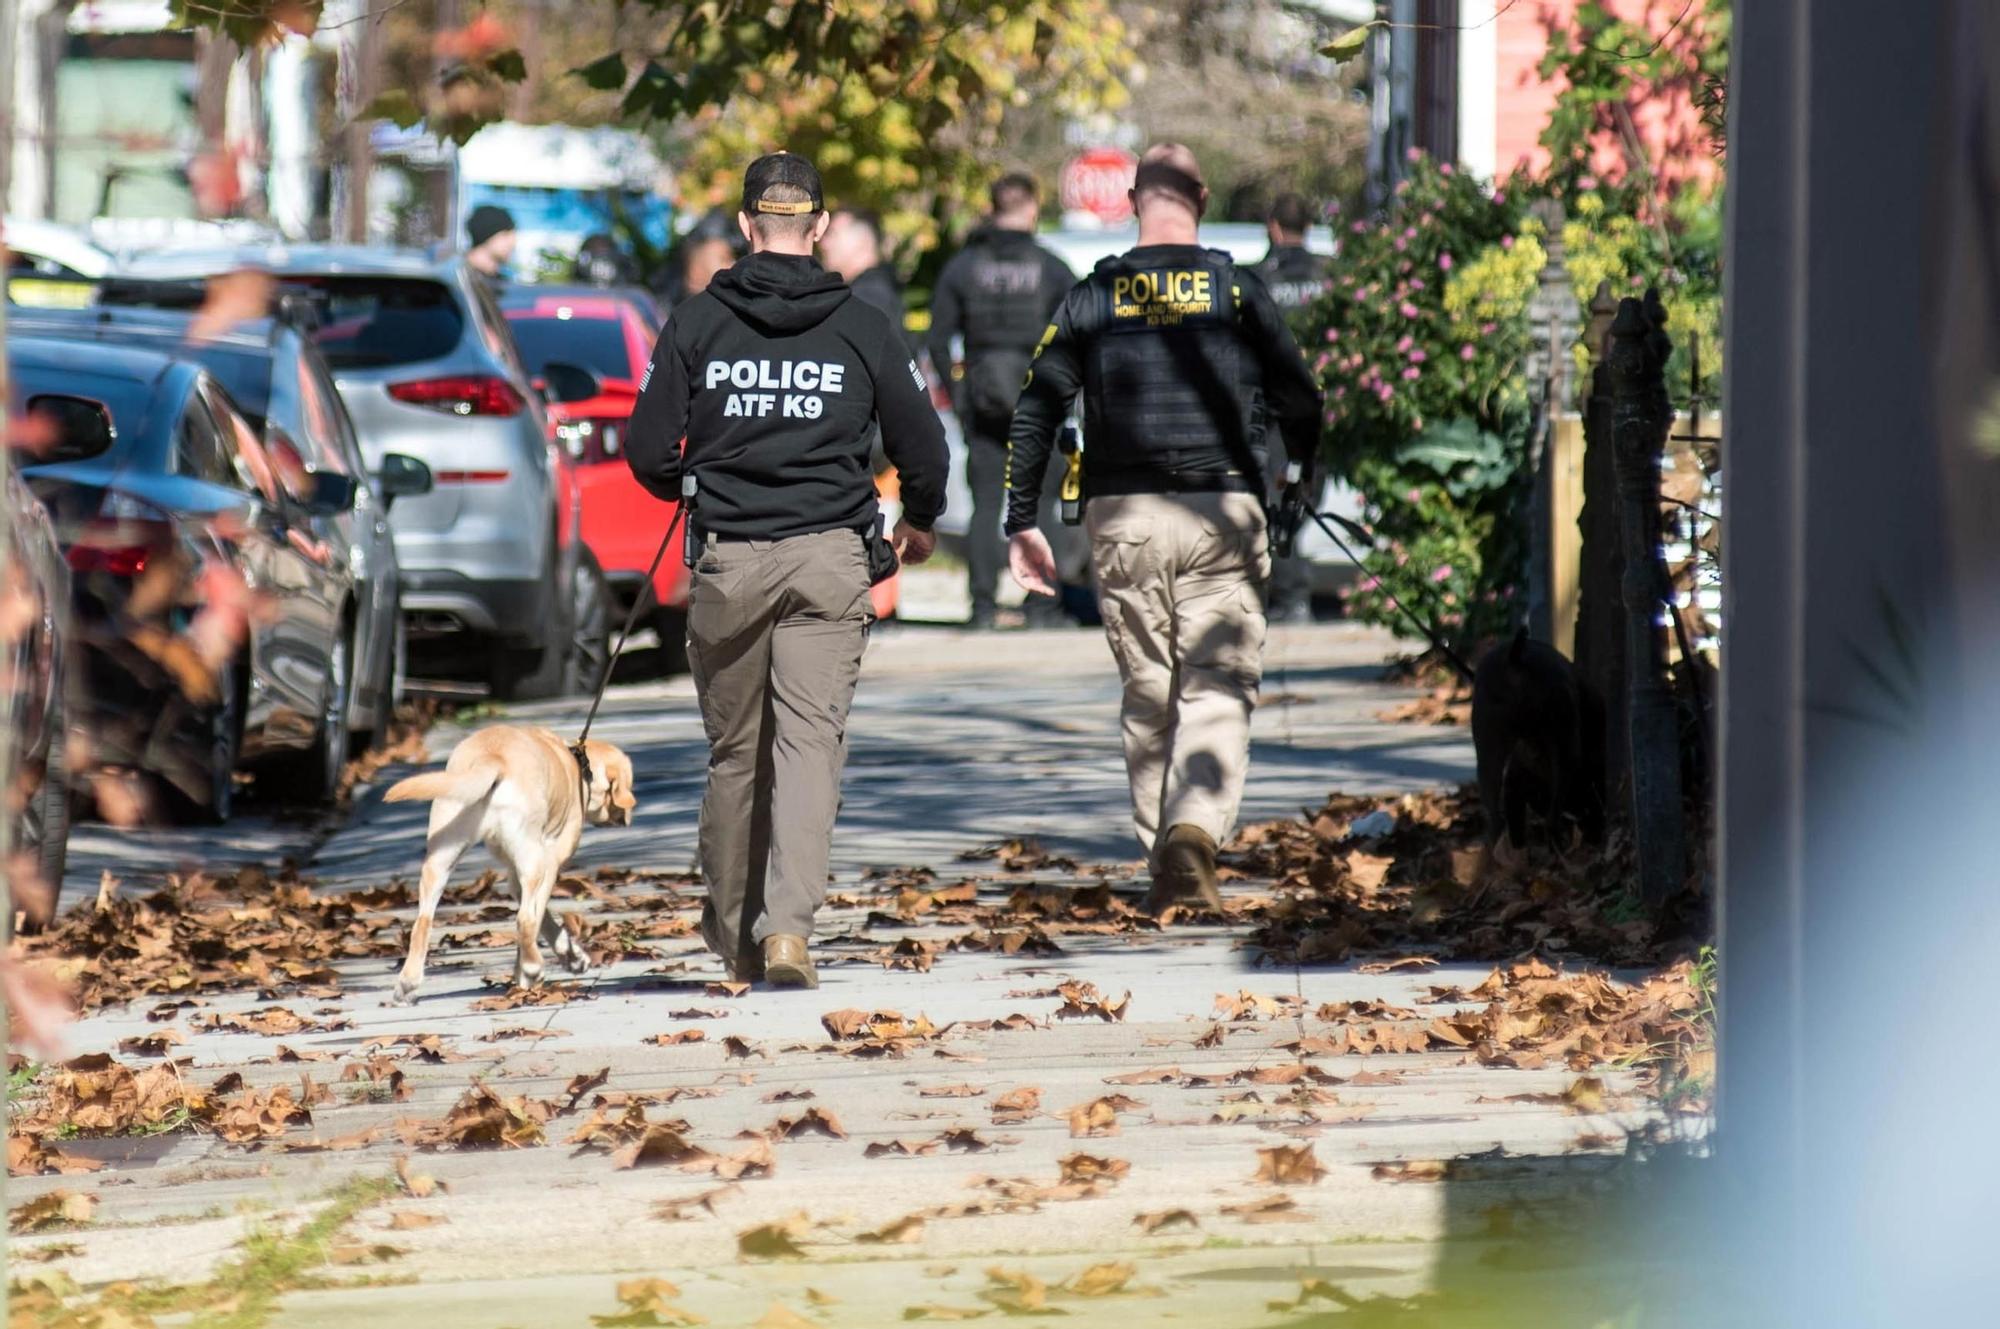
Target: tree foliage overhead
[[901, 102]]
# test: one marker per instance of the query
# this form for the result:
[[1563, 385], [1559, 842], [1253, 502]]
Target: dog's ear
[[622, 802]]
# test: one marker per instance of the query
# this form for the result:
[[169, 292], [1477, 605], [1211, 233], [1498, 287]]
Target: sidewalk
[[959, 741]]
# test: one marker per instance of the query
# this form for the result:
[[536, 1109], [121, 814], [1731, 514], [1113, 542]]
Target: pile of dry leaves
[[1429, 886], [203, 933]]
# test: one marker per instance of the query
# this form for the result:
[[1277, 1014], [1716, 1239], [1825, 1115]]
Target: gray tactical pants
[[775, 635]]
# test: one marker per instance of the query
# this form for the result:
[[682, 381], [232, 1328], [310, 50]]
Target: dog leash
[[1362, 534], [625, 634]]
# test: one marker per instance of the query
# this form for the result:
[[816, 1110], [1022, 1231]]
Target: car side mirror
[[331, 492], [402, 476], [565, 382]]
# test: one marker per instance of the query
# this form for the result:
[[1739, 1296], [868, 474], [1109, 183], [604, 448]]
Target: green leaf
[[1350, 43], [606, 74], [394, 105], [508, 65]]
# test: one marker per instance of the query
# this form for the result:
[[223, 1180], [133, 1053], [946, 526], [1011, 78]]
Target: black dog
[[1538, 730]]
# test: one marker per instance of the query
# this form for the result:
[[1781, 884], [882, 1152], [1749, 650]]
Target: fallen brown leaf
[[1288, 1165], [776, 1240], [56, 1208], [1161, 1219]]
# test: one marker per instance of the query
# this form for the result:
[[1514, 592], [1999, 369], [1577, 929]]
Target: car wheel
[[221, 739], [590, 628], [573, 661], [313, 776], [44, 832]]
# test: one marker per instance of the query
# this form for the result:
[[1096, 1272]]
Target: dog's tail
[[466, 786]]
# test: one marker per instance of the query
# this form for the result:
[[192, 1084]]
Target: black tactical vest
[[1170, 392], [1005, 303], [1296, 277]]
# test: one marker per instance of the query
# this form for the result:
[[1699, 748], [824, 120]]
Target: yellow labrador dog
[[518, 791]]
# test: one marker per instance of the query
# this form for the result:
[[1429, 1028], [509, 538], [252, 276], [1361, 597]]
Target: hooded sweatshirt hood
[[779, 295]]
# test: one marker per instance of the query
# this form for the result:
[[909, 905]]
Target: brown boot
[[786, 963], [1184, 871]]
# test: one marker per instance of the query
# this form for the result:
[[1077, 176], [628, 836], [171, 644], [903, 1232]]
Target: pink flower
[[1401, 244], [1412, 373], [1507, 242], [1444, 168], [1369, 584], [1417, 423], [1401, 558], [1444, 261], [1450, 597], [1333, 334], [1383, 392], [1499, 197], [1359, 228], [1465, 352], [1413, 154], [1442, 572], [1404, 343], [1415, 495], [1338, 393], [1418, 356], [1409, 232], [1486, 329], [1408, 310], [1417, 284], [1319, 365], [1586, 182]]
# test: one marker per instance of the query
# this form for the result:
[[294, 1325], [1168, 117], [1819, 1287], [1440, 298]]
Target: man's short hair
[[867, 218], [1014, 191], [1170, 170], [1291, 214], [782, 194]]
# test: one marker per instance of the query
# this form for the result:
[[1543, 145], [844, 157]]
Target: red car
[[608, 330]]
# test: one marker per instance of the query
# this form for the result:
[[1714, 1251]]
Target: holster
[[1073, 498], [882, 561]]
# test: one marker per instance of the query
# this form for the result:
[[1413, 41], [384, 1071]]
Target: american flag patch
[[646, 377], [917, 377]]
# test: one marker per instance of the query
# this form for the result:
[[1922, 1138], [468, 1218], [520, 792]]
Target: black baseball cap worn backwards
[[787, 170]]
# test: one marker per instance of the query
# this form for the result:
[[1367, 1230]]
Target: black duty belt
[[1171, 482]]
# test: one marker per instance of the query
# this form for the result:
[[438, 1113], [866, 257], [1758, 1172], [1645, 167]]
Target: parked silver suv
[[495, 582]]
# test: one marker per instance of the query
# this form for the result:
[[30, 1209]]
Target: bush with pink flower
[[1427, 411]]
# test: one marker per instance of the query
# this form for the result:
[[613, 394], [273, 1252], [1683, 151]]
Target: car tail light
[[461, 394], [123, 537], [118, 560]]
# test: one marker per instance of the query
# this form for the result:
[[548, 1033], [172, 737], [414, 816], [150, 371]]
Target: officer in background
[[853, 248], [1296, 278], [1183, 359], [489, 239], [775, 375], [996, 295]]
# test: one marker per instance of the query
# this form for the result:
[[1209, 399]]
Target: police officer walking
[[1296, 278], [776, 375], [1181, 358], [996, 295]]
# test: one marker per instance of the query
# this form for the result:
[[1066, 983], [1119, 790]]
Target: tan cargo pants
[[1180, 580], [775, 635]]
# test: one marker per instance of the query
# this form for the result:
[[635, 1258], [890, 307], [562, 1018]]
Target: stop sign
[[1098, 181]]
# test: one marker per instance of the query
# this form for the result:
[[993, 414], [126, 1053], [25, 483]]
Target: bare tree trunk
[[357, 83], [1642, 415]]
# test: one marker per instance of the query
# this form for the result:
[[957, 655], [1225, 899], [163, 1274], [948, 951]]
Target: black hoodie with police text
[[774, 376]]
